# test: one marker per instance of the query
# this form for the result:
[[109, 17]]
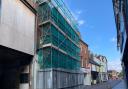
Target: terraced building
[[58, 49]]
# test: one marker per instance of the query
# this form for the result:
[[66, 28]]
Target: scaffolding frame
[[66, 13], [59, 36]]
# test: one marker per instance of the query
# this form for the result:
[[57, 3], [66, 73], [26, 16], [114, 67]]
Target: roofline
[[83, 42], [91, 61], [32, 8]]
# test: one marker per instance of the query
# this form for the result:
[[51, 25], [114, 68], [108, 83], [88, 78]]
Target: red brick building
[[85, 65], [84, 54]]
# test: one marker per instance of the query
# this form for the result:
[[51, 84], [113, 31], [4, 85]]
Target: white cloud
[[115, 65], [77, 15], [114, 39], [81, 22], [79, 12]]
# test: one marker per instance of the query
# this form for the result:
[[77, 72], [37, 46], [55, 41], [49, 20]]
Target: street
[[63, 44], [111, 84]]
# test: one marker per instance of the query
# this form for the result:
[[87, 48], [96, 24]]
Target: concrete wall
[[17, 26], [25, 71]]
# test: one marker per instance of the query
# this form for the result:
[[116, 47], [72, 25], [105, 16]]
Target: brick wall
[[84, 54]]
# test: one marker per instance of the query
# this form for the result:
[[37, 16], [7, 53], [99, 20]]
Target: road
[[121, 85], [111, 84]]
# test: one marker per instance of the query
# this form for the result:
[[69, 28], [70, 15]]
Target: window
[[85, 51], [24, 78]]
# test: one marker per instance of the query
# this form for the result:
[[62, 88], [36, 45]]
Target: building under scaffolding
[[58, 50]]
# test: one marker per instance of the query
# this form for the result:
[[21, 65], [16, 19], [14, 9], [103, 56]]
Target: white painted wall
[[93, 67], [87, 79]]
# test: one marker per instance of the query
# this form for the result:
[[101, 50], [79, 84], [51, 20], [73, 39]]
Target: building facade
[[121, 19], [95, 69], [58, 47], [39, 51], [103, 68], [17, 43], [85, 65], [84, 54], [99, 69]]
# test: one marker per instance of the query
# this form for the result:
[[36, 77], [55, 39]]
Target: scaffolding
[[60, 5], [59, 36]]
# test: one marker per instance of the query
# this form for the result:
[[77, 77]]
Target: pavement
[[121, 85], [106, 85]]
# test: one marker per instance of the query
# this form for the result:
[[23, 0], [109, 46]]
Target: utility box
[[17, 26]]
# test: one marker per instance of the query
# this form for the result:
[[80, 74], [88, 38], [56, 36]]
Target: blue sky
[[97, 27]]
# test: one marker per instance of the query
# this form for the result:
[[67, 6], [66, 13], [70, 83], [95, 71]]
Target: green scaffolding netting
[[68, 41], [52, 35], [59, 4], [52, 58], [48, 13]]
